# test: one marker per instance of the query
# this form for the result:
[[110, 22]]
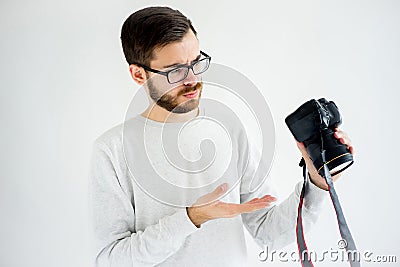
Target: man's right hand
[[206, 208]]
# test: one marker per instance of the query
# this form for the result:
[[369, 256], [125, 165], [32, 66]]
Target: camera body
[[313, 124]]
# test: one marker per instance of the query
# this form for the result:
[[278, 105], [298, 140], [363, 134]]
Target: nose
[[191, 79]]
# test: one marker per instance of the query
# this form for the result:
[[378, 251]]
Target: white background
[[64, 81]]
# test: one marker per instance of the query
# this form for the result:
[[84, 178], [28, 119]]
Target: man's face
[[175, 97]]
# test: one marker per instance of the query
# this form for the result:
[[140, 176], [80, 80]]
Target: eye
[[178, 71], [178, 74], [201, 66]]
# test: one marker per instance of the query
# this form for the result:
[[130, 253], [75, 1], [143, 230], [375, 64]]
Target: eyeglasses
[[180, 73]]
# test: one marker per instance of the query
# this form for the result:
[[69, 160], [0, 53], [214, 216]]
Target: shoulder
[[111, 138]]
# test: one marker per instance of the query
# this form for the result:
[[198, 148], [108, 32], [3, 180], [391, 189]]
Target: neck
[[157, 113]]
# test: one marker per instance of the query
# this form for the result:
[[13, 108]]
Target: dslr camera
[[313, 124]]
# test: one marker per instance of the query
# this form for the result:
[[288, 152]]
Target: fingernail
[[224, 186]]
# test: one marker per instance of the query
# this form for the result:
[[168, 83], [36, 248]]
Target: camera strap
[[347, 239]]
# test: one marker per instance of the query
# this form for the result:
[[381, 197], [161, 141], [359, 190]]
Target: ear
[[138, 74]]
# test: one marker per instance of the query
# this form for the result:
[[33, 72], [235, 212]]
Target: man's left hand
[[317, 179]]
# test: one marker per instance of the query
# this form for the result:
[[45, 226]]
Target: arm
[[115, 240], [275, 226]]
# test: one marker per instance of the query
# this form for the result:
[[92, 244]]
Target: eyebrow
[[179, 64]]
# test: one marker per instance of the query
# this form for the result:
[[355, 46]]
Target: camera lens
[[337, 155]]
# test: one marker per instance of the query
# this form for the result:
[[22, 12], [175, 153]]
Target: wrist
[[195, 217], [320, 183]]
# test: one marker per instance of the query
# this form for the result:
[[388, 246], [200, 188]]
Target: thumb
[[302, 149], [219, 191], [210, 197]]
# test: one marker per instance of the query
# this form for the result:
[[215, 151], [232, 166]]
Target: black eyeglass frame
[[165, 73]]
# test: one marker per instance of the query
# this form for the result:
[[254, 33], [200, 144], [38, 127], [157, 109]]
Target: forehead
[[181, 52]]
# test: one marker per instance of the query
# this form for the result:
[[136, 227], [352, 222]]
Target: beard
[[170, 102]]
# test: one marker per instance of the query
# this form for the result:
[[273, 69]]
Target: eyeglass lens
[[181, 73]]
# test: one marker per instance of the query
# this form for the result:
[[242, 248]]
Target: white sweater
[[132, 228]]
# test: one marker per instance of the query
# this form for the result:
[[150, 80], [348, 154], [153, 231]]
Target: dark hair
[[150, 28]]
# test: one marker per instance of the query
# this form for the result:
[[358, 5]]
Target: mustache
[[190, 89]]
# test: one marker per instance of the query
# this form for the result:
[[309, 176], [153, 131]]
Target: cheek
[[162, 86], [172, 93]]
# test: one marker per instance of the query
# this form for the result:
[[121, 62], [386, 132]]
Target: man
[[135, 228]]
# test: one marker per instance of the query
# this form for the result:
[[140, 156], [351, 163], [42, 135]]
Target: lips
[[191, 94]]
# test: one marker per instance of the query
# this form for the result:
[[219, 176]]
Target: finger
[[248, 207], [345, 141], [253, 200], [232, 209], [245, 208], [300, 145], [305, 155], [268, 198], [343, 137], [302, 149], [339, 134], [260, 202], [264, 198], [336, 129]]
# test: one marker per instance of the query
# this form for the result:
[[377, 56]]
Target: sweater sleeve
[[274, 226], [115, 241]]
